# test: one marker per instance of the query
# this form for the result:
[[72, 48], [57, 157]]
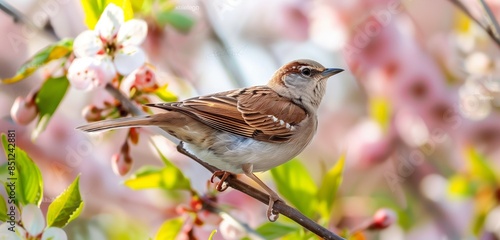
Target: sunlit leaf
[[66, 207], [296, 185], [168, 178], [25, 176], [478, 222], [328, 188], [460, 186], [276, 230], [55, 51], [177, 20], [47, 100], [170, 229], [3, 209], [165, 95], [480, 166], [380, 111], [94, 8]]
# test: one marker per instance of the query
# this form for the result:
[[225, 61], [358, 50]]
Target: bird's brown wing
[[256, 112]]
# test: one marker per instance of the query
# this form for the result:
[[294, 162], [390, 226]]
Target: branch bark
[[491, 27]]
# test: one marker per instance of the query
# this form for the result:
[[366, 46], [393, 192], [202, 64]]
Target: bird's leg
[[221, 186], [272, 214]]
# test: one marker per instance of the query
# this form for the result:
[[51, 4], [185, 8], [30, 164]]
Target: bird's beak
[[330, 72]]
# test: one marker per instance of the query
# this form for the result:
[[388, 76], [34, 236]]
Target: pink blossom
[[23, 112]]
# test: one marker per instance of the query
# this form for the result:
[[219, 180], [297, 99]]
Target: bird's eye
[[306, 72]]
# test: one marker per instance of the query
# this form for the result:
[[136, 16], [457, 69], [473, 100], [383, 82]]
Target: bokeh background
[[415, 112]]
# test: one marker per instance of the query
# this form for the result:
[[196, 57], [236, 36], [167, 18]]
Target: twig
[[226, 57], [489, 29], [279, 206], [491, 19]]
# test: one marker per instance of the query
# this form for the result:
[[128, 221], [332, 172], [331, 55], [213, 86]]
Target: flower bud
[[91, 113], [23, 111], [121, 163], [382, 219], [142, 79]]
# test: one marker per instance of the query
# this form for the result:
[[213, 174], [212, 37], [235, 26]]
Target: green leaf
[[328, 188], [380, 111], [480, 167], [94, 8], [168, 178], [178, 20], [25, 176], [55, 51], [461, 187], [47, 100], [165, 95], [3, 210], [66, 207], [275, 230], [170, 229], [296, 184]]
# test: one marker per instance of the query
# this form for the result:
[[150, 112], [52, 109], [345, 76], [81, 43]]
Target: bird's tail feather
[[116, 123]]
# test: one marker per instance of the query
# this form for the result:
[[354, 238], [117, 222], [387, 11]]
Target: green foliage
[[328, 188], [461, 187], [3, 209], [480, 167], [168, 178], [54, 51], [27, 177], [169, 229], [275, 230], [177, 20], [47, 100], [381, 111], [94, 8], [66, 207], [296, 184], [165, 95]]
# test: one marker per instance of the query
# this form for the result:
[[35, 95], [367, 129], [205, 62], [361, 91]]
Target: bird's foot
[[222, 185], [272, 214]]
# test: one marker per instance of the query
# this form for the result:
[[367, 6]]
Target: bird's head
[[303, 81]]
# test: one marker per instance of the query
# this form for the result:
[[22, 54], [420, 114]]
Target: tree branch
[[490, 29], [279, 206]]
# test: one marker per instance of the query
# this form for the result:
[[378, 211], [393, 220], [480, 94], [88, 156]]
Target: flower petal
[[87, 44], [87, 73], [110, 21], [5, 233], [132, 32], [54, 233], [128, 59], [32, 219]]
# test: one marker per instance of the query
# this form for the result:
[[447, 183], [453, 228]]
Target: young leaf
[[26, 177], [49, 53], [178, 20], [296, 184], [94, 8], [170, 229], [47, 100], [165, 95], [66, 207], [276, 230], [328, 188], [480, 167], [167, 178], [3, 209]]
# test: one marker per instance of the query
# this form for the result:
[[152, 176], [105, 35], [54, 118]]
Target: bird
[[246, 130]]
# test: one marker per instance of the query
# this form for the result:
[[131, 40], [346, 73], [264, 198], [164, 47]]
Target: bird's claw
[[222, 185], [272, 214]]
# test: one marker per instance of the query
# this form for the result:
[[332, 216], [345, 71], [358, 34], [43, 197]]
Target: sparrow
[[246, 130]]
